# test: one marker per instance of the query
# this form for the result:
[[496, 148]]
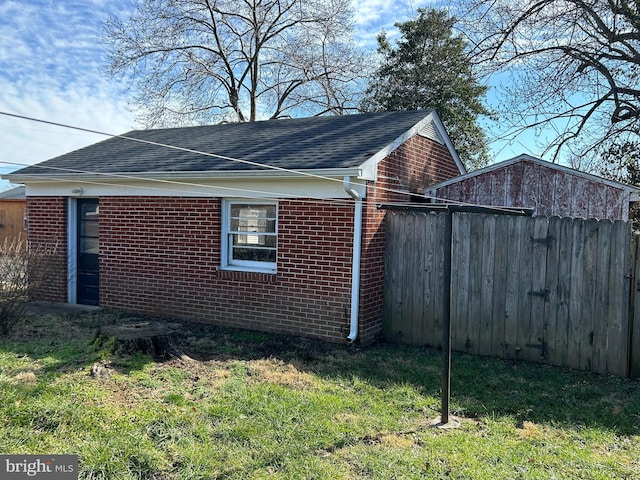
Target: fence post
[[446, 321], [633, 343]]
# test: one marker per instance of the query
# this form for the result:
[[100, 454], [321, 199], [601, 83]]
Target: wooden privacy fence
[[546, 289]]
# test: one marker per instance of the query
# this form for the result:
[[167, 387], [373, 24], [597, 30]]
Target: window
[[249, 235]]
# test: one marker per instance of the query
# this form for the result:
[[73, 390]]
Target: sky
[[52, 67]]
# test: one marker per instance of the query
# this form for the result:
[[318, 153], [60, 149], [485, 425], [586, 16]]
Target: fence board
[[617, 328], [634, 328], [538, 292], [415, 279], [460, 289], [406, 289], [601, 297], [438, 226], [474, 282], [427, 255], [552, 306], [575, 301], [499, 300], [393, 285], [517, 284], [524, 282], [512, 288], [487, 262], [590, 256]]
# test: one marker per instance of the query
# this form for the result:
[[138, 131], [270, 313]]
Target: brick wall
[[161, 256], [418, 163], [47, 225]]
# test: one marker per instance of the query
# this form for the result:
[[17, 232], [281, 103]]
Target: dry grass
[[266, 406]]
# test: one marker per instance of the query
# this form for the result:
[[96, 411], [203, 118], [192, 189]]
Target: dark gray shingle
[[300, 143]]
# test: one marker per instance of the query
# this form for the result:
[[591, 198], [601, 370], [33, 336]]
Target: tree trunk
[[155, 338]]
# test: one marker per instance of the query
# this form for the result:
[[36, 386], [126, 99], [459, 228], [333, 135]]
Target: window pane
[[254, 254], [89, 229], [270, 241], [252, 234], [255, 240], [260, 225], [89, 245], [89, 210], [253, 218], [253, 211]]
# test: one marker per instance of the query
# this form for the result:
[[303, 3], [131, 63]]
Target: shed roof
[[329, 142], [16, 193]]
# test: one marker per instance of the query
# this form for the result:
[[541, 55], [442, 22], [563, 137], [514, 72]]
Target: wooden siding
[[12, 214], [549, 191], [552, 290]]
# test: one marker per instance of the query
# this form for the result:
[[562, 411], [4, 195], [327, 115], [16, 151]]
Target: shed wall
[[12, 214], [161, 256], [548, 191]]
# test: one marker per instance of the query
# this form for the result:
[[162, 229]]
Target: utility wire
[[159, 180], [208, 154]]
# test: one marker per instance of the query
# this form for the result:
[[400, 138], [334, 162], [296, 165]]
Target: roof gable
[[313, 143]]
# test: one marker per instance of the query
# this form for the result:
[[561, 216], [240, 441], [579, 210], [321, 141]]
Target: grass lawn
[[266, 406]]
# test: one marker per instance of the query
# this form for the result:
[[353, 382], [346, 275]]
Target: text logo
[[49, 467]]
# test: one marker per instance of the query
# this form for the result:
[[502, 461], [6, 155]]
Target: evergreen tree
[[428, 68]]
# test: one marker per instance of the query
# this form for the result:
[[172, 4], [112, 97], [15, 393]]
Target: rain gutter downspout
[[355, 267]]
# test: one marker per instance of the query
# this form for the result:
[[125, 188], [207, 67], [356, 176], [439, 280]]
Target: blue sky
[[52, 67]]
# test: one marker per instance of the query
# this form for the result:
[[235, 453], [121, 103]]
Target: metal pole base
[[452, 423]]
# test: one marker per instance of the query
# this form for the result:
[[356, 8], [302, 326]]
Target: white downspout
[[355, 267]]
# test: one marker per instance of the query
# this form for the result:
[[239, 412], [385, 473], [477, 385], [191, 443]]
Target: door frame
[[72, 248], [72, 251]]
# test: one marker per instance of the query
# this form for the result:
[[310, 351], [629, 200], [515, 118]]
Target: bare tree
[[571, 65], [24, 269], [196, 61]]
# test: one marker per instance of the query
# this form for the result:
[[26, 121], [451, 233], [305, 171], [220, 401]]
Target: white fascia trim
[[257, 187], [338, 173], [447, 141], [370, 167]]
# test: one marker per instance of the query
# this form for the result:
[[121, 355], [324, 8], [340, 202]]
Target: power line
[[209, 154], [159, 180], [173, 147]]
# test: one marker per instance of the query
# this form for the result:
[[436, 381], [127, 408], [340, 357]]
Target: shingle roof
[[16, 193], [300, 143]]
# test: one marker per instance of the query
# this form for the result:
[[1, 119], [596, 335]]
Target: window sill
[[247, 275]]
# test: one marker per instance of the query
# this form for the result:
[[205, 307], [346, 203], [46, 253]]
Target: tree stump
[[155, 338]]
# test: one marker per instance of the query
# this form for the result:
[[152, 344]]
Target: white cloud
[[51, 65], [372, 16], [28, 142]]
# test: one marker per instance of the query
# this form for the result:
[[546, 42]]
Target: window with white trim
[[249, 235]]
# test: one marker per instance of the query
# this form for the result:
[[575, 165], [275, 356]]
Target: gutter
[[355, 266], [18, 177]]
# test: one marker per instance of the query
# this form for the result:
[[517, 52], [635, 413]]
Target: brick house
[[269, 225]]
